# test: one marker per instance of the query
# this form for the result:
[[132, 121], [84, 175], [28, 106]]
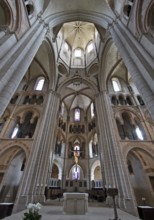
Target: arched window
[[77, 52], [127, 10], [92, 110], [14, 99], [66, 46], [29, 7], [77, 114], [140, 100], [76, 173], [39, 83], [122, 100], [15, 131], [90, 149], [139, 133], [62, 109], [116, 85], [114, 100], [129, 100], [90, 47]]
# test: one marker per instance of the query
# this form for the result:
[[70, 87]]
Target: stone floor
[[53, 210]]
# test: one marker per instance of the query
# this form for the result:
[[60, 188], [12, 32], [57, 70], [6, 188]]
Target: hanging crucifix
[[76, 152]]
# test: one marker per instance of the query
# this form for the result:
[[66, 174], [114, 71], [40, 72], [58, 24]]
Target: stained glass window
[[77, 114], [39, 83]]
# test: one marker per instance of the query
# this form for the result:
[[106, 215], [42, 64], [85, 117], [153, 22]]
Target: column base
[[22, 202], [39, 198], [128, 205]]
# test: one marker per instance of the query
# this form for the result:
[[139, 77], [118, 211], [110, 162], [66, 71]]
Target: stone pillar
[[14, 65], [138, 62], [37, 167], [115, 168]]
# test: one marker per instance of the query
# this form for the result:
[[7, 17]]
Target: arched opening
[[116, 84], [13, 173], [5, 15], [76, 173], [150, 19], [139, 164], [127, 10], [128, 127], [39, 83], [97, 173], [55, 171]]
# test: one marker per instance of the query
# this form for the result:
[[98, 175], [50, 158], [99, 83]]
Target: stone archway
[[96, 170], [14, 160], [140, 166]]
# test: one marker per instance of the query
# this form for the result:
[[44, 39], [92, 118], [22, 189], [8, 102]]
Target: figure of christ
[[76, 155]]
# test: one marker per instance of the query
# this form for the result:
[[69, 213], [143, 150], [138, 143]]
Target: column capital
[[54, 93], [102, 92], [42, 21]]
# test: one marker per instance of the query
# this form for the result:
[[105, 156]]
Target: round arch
[[93, 167], [77, 79], [107, 68], [59, 166], [52, 65], [19, 145], [140, 162], [5, 14], [82, 15], [15, 159], [81, 170], [128, 147]]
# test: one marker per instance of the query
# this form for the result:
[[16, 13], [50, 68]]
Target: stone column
[[115, 168], [14, 65], [138, 62], [37, 167]]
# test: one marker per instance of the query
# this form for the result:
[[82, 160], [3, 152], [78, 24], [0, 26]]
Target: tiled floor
[[54, 211]]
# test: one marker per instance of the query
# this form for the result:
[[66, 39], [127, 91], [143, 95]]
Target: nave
[[96, 211]]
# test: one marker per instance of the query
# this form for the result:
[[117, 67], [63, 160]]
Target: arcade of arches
[[76, 99]]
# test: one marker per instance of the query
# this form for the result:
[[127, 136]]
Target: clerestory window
[[116, 85], [39, 83], [15, 131], [77, 114], [139, 133], [78, 53], [90, 47]]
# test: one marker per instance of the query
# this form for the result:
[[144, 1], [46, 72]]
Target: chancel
[[77, 104]]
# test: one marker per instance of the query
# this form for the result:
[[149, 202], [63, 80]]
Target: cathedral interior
[[77, 100]]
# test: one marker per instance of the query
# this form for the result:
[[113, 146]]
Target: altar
[[75, 203]]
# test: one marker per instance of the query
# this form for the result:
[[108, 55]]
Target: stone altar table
[[75, 203]]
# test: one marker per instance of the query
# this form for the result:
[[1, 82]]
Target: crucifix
[[76, 156]]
